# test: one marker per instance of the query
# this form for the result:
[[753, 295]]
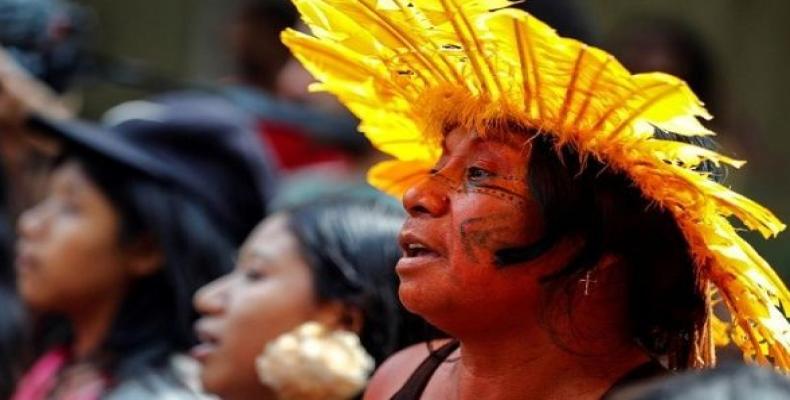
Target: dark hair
[[13, 340], [6, 236], [611, 215], [278, 14], [155, 318], [13, 321], [351, 247], [565, 16], [733, 381], [267, 18]]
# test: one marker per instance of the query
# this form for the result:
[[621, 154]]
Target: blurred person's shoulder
[[733, 381], [177, 380], [393, 374]]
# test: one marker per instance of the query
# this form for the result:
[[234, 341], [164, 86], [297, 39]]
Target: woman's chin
[[210, 380], [423, 299], [408, 297], [35, 301]]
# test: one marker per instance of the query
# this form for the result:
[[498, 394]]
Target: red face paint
[[475, 202]]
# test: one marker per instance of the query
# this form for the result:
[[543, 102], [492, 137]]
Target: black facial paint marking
[[483, 232], [510, 256], [500, 193]]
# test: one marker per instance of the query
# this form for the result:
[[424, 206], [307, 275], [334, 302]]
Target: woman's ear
[[143, 257], [337, 315]]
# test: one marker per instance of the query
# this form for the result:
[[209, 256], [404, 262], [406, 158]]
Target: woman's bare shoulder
[[394, 372]]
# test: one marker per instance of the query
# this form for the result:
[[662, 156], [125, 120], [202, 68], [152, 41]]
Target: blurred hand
[[23, 154], [12, 112], [21, 94]]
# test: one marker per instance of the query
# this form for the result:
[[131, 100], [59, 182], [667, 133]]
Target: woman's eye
[[477, 173], [253, 275], [69, 207]]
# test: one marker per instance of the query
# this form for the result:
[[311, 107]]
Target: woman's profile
[[566, 226], [316, 276], [109, 259]]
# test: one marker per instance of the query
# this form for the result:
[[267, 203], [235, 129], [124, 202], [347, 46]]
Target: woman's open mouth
[[418, 250], [414, 247], [418, 253], [208, 344], [25, 262]]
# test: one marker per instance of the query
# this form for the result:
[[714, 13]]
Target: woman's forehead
[[517, 140], [71, 175], [271, 235]]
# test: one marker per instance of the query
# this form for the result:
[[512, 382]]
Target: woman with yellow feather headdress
[[566, 223]]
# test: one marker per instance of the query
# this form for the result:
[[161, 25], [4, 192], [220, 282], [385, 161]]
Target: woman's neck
[[584, 354], [501, 367], [91, 325], [256, 391]]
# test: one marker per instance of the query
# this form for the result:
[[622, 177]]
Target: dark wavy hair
[[155, 318], [605, 208], [351, 246], [13, 321]]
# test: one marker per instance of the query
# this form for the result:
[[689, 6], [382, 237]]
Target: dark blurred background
[[734, 53]]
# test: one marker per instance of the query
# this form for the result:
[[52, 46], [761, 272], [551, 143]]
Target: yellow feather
[[408, 68], [394, 177]]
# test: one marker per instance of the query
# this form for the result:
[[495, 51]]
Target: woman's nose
[[212, 298], [427, 198], [32, 221]]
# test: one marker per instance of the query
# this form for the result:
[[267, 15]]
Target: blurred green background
[[748, 41]]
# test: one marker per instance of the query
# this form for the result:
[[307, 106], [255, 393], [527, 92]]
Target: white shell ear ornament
[[312, 362]]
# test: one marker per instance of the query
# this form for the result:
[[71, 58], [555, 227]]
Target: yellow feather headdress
[[404, 67]]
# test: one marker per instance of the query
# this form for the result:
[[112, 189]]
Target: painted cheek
[[507, 197], [484, 224]]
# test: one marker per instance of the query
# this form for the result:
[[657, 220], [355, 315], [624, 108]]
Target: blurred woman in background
[[134, 221], [41, 50], [330, 263]]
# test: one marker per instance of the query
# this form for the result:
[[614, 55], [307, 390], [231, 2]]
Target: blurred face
[[475, 202], [269, 293], [69, 258]]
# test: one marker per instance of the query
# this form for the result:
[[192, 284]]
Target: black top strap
[[418, 381]]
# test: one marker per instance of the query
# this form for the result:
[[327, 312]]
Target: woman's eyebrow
[[482, 146], [257, 255], [70, 187], [514, 140]]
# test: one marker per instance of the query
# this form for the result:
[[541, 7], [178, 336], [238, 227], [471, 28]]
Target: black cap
[[200, 144]]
